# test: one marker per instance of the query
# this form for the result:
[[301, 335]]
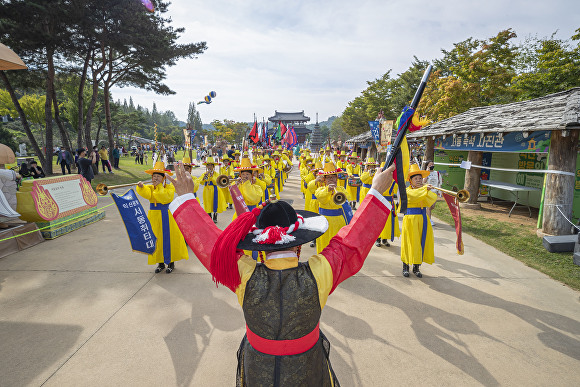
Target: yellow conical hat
[[159, 167], [246, 165], [353, 156], [329, 169], [210, 160], [318, 165], [415, 170], [371, 161], [186, 161]]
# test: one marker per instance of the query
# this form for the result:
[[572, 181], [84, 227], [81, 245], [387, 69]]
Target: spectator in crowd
[[436, 180], [35, 170], [104, 154], [64, 159], [116, 157], [95, 166], [231, 152], [141, 155], [86, 164], [145, 157], [25, 172]]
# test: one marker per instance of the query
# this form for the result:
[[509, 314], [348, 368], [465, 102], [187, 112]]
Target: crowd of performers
[[257, 255], [325, 177]]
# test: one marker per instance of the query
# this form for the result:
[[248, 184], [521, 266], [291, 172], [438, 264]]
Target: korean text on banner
[[136, 222]]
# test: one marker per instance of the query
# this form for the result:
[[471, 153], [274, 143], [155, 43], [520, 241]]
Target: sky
[[317, 55]]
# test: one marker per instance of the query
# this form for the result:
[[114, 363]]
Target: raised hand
[[383, 180], [183, 184]]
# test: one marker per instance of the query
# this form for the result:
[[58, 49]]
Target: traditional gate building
[[297, 120]]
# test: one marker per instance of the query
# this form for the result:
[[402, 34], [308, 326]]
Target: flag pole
[[402, 133]]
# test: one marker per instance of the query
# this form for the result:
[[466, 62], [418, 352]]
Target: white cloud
[[317, 55]]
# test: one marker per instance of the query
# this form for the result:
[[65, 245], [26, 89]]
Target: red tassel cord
[[224, 255]]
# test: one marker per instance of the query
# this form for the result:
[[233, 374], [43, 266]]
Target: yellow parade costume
[[187, 162], [391, 229], [367, 178], [353, 171], [213, 198], [342, 165], [333, 213], [264, 183], [252, 193], [310, 202], [269, 169], [417, 244], [228, 171], [170, 243]]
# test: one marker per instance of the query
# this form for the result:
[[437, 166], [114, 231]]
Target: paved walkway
[[83, 310]]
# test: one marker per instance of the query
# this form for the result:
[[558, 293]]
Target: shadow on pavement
[[190, 338], [425, 322], [548, 323], [471, 271], [27, 359]]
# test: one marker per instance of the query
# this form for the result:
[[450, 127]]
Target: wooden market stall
[[539, 134]]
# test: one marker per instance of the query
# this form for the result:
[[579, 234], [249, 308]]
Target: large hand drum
[[354, 181]]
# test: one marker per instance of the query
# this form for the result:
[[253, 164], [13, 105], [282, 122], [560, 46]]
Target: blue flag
[[136, 222], [376, 130]]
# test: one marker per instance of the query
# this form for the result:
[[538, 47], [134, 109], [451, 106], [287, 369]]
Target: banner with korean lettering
[[136, 222], [376, 131], [536, 142]]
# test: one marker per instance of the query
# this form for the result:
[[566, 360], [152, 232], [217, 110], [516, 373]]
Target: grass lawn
[[129, 172], [520, 242]]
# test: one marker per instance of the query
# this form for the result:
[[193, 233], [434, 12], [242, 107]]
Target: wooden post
[[429, 151], [560, 188], [472, 179]]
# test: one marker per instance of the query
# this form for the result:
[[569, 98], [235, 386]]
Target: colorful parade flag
[[453, 205], [254, 133], [283, 128], [136, 222]]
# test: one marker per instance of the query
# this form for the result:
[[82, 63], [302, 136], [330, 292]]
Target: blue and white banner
[[535, 142], [376, 131], [136, 222]]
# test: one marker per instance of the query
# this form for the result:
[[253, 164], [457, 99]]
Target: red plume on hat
[[224, 255]]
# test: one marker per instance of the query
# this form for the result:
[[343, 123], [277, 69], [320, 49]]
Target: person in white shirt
[[435, 180]]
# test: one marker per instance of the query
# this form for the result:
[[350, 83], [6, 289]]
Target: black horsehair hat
[[272, 226], [276, 229]]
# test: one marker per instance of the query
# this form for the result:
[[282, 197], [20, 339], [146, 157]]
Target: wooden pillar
[[560, 188], [472, 179], [429, 151]]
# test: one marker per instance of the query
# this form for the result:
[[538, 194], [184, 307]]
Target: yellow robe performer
[[333, 213], [213, 198], [354, 171], [170, 243], [417, 244], [391, 229]]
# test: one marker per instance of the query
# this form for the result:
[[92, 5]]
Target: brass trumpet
[[103, 189], [223, 181], [462, 195], [287, 166], [338, 197]]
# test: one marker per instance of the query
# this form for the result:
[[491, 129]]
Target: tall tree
[[548, 65], [474, 73]]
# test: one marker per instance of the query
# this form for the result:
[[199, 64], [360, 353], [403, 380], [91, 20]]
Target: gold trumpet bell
[[223, 181], [463, 195], [102, 189], [339, 198]]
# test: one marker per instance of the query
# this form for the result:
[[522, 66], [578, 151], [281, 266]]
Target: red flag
[[453, 204], [283, 129], [254, 136]]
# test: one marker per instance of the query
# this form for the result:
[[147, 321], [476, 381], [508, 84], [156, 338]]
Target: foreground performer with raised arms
[[283, 298]]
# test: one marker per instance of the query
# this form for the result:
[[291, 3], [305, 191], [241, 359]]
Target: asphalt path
[[84, 310]]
